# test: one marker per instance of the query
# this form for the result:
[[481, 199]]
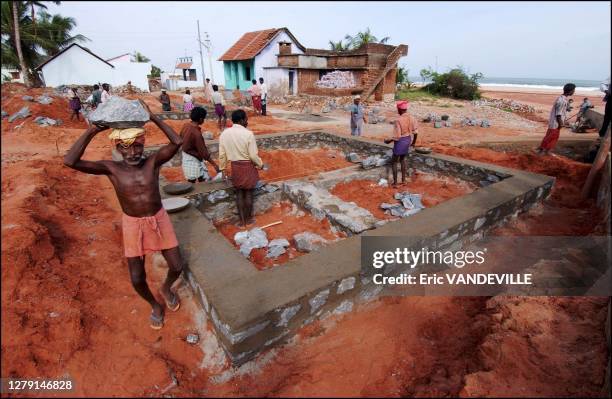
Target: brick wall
[[307, 79], [288, 60], [347, 61], [389, 85]]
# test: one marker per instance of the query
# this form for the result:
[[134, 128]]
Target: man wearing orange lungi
[[146, 225], [556, 120]]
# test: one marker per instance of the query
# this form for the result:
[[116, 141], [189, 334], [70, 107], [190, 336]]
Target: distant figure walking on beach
[[405, 133], [164, 99], [146, 225], [556, 120], [357, 117]]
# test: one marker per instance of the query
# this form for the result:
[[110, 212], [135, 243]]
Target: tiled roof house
[[290, 68]]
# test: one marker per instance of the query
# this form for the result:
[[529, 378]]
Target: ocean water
[[534, 83]]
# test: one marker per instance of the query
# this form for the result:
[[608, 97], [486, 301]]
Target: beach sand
[[542, 98]]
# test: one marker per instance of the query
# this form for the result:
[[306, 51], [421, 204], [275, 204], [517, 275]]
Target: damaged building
[[289, 68]]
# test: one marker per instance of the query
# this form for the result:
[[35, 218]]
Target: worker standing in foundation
[[194, 148], [405, 132], [146, 225], [358, 117], [237, 145]]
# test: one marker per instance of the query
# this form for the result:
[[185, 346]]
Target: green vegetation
[[155, 72], [415, 94], [455, 83], [356, 41], [337, 46], [29, 39], [139, 57]]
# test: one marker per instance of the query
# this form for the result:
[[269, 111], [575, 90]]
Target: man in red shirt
[[194, 151]]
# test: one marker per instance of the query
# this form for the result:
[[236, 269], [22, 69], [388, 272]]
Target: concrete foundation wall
[[254, 310]]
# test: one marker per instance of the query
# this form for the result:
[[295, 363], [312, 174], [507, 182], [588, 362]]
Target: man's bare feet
[[250, 222]]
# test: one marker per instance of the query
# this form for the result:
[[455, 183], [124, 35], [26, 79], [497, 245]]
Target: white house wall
[[277, 80], [78, 67], [267, 56], [136, 72]]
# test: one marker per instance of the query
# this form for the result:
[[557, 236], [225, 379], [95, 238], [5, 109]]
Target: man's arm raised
[[73, 158], [169, 150]]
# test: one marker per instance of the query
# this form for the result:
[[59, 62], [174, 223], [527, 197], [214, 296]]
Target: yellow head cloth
[[126, 137]]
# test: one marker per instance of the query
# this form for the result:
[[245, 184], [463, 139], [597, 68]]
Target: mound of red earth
[[69, 309]]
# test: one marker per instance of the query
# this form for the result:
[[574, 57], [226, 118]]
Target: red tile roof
[[251, 44], [184, 65]]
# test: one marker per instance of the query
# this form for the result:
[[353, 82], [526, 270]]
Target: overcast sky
[[564, 40]]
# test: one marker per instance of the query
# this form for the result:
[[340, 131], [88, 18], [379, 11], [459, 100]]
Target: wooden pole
[[271, 224], [604, 148]]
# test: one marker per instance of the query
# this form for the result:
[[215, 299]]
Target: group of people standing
[[259, 96], [96, 98]]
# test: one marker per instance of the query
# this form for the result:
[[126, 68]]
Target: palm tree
[[138, 57], [364, 37], [33, 4], [17, 36], [337, 46], [54, 33], [24, 46]]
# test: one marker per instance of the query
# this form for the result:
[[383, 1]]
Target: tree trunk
[[24, 69]]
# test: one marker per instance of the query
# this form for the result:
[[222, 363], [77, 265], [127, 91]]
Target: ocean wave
[[527, 86]]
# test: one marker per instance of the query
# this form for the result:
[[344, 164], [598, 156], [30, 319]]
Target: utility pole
[[436, 64], [201, 57], [208, 50]]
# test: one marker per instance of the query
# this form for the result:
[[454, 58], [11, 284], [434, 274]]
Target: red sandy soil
[[293, 164], [69, 309], [284, 164], [292, 224], [564, 213], [369, 195]]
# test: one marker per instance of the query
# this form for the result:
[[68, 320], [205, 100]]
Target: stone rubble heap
[[336, 80], [251, 239], [119, 113], [410, 204], [511, 105], [308, 242]]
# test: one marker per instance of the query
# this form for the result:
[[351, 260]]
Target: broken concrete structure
[[253, 310], [289, 68]]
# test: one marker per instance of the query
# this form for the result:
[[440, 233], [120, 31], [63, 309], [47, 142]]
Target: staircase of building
[[376, 76]]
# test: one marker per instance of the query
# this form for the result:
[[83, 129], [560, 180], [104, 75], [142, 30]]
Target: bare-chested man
[[146, 225]]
